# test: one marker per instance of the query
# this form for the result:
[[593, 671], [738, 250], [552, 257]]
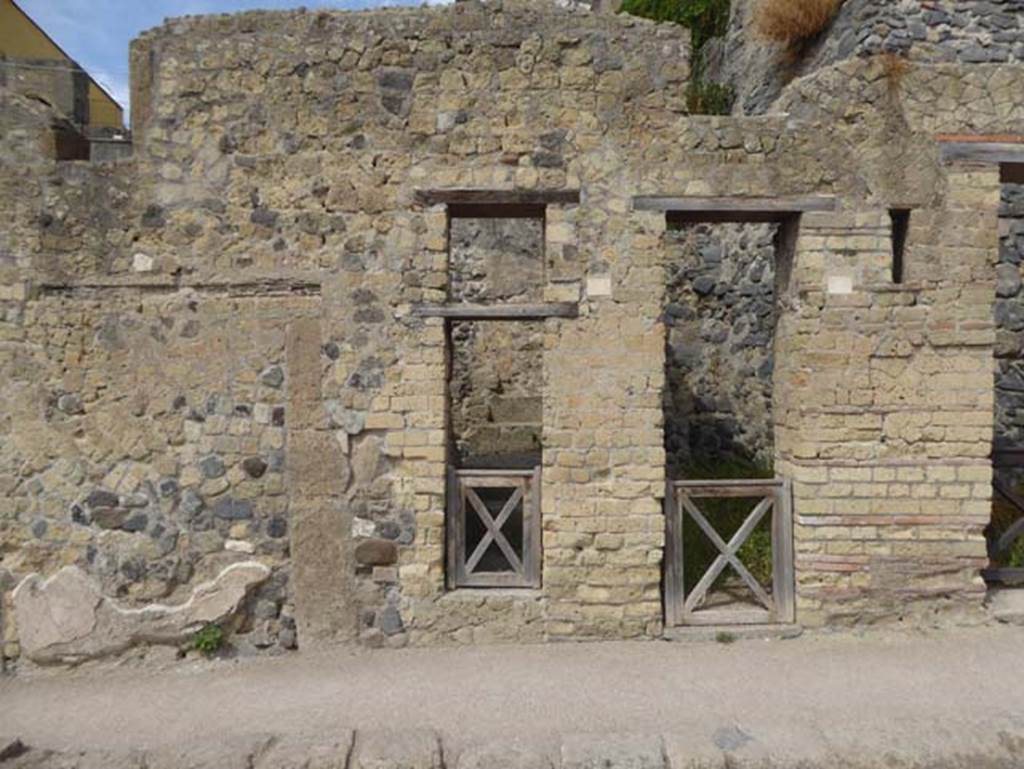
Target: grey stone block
[[382, 749], [500, 754], [295, 754], [613, 751]]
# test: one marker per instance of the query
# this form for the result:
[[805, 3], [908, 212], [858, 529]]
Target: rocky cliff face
[[972, 32]]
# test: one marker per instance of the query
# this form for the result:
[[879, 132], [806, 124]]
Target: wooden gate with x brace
[[515, 497], [685, 608]]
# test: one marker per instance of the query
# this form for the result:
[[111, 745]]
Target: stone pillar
[[318, 475], [883, 403]]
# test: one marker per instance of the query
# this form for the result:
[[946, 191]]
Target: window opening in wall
[[495, 370], [1005, 532], [900, 218], [728, 556]]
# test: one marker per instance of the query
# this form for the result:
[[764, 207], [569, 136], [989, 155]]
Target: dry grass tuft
[[791, 21], [895, 68]]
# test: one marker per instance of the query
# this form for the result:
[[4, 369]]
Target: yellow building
[[27, 49]]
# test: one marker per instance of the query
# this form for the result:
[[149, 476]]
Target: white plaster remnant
[[142, 263], [840, 284], [599, 285]]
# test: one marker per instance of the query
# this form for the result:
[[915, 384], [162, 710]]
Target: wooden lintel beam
[[497, 197], [982, 152], [497, 312], [736, 208]]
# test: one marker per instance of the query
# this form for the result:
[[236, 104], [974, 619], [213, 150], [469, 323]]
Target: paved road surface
[[937, 693]]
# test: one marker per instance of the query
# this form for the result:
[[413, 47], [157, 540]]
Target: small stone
[[142, 263], [376, 552], [135, 500], [261, 413], [137, 522], [287, 638], [332, 351], [391, 621], [275, 460], [254, 467], [232, 509], [277, 528], [191, 503], [153, 216], [265, 609], [38, 528], [1008, 280], [703, 285], [352, 422], [240, 546], [212, 466], [277, 418], [109, 517], [80, 516], [395, 79], [168, 487], [363, 527], [264, 217], [272, 376], [70, 403]]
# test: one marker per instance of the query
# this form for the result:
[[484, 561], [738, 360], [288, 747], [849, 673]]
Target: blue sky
[[96, 33]]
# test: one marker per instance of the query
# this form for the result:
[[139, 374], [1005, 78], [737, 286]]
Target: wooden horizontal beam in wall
[[497, 312], [982, 152], [498, 197], [734, 209]]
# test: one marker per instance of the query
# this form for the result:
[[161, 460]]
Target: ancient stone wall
[[230, 322], [1009, 314], [720, 322]]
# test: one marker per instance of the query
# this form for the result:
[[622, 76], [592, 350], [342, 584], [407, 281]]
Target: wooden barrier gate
[[776, 604]]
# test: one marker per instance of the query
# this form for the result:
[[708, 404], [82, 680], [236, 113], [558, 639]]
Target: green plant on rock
[[704, 98], [208, 639]]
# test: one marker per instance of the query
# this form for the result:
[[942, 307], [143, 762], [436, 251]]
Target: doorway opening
[[1005, 532], [729, 539], [495, 406]]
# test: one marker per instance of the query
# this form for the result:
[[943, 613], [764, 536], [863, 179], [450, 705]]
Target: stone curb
[[425, 749]]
